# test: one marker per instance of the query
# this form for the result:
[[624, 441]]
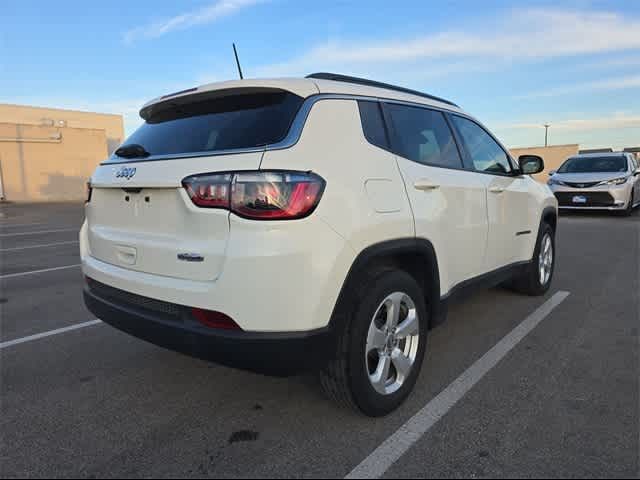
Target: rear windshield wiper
[[132, 150]]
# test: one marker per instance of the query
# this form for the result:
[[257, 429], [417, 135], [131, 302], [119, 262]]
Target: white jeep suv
[[321, 224]]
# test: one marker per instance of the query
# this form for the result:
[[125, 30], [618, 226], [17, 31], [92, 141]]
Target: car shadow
[[597, 214]]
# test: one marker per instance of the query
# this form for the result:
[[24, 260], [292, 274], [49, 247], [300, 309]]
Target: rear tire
[[538, 275], [363, 375]]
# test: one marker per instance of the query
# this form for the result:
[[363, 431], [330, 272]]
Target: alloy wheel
[[392, 343], [545, 259]]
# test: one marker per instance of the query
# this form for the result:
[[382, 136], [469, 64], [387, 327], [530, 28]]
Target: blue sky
[[515, 65]]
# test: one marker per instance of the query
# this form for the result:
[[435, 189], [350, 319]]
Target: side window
[[373, 124], [423, 136], [485, 153]]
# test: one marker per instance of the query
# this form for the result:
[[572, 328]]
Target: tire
[[629, 210], [530, 282], [346, 379]]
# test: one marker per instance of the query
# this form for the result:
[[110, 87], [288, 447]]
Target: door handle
[[496, 189], [126, 255], [424, 184]]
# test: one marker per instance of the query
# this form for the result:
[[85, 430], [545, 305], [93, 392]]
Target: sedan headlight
[[615, 181]]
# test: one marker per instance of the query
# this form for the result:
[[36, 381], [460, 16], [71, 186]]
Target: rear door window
[[422, 135], [228, 123]]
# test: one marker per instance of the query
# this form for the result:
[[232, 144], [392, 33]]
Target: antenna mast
[[235, 52]]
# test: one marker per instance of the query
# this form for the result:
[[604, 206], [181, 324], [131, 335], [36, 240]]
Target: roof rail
[[372, 83]]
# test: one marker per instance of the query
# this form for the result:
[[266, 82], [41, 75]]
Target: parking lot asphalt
[[94, 402]]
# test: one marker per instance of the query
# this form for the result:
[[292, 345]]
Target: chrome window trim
[[294, 133]]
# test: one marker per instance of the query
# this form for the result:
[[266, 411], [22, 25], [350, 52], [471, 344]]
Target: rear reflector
[[261, 195], [212, 319]]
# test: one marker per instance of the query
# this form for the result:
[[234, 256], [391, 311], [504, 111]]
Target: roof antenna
[[235, 52]]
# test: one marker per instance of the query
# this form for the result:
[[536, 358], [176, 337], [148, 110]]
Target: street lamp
[[546, 134]]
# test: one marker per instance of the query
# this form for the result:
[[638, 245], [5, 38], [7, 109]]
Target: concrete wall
[[113, 125], [47, 164], [48, 155], [553, 156]]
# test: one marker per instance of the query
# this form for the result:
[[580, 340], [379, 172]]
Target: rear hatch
[[140, 217]]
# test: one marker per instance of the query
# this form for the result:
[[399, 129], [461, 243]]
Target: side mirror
[[530, 164], [637, 172], [552, 172]]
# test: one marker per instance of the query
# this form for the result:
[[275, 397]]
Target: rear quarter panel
[[364, 201]]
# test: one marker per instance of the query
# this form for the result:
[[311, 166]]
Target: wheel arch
[[550, 216], [413, 255]]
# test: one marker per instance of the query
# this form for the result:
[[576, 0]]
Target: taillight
[[212, 191], [89, 191], [260, 195], [213, 319]]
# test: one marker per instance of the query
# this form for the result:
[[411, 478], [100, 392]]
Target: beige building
[[553, 156], [48, 154]]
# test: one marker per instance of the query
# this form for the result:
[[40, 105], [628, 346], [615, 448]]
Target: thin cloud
[[610, 122], [609, 84], [520, 35], [209, 14], [616, 63]]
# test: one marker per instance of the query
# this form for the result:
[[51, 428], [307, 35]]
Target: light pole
[[546, 134]]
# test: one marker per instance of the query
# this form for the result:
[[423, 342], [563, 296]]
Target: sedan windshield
[[594, 165]]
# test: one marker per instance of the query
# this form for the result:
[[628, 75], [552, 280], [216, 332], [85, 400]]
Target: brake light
[[260, 195], [213, 319]]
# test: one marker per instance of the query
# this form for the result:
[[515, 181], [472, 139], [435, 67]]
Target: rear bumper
[[279, 354], [274, 278]]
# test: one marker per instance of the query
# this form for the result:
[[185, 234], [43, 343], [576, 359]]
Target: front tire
[[629, 210], [536, 278], [380, 354]]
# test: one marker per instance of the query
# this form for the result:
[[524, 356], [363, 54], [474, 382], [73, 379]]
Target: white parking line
[[383, 457], [4, 225], [38, 232], [38, 336], [33, 272], [38, 246]]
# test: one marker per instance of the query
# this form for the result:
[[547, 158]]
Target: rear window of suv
[[228, 123]]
